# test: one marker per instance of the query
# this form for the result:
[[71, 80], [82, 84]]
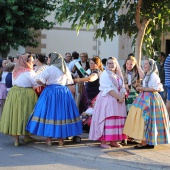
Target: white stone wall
[[63, 39]]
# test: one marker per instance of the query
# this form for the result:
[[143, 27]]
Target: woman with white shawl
[[109, 111]]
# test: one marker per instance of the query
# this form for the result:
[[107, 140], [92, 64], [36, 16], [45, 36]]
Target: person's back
[[53, 75], [75, 57], [162, 58], [8, 79], [161, 70], [167, 80], [167, 71]]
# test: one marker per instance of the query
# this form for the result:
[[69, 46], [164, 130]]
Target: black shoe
[[123, 142], [131, 141], [144, 147]]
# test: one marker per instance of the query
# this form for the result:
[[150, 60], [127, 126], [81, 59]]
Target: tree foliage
[[19, 20], [119, 16]]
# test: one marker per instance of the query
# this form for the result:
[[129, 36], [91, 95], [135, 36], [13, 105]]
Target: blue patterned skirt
[[55, 114]]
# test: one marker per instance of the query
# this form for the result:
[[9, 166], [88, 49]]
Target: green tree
[[19, 20], [145, 20]]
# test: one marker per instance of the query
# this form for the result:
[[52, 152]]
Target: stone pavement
[[157, 158]]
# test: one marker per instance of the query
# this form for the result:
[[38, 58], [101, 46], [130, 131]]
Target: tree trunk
[[139, 41]]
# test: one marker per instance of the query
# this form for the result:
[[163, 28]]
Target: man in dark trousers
[[162, 58]]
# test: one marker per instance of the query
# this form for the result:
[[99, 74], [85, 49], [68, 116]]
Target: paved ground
[[158, 158], [27, 157]]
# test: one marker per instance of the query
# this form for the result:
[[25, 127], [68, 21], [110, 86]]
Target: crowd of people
[[46, 96]]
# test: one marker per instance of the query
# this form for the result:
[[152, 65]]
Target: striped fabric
[[131, 97], [108, 119], [113, 129], [168, 93], [167, 71], [157, 126]]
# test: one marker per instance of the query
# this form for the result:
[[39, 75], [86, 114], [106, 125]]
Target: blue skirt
[[55, 114]]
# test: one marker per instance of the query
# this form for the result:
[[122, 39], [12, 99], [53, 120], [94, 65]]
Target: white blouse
[[154, 82], [89, 111], [26, 79], [129, 79], [106, 84], [4, 74], [40, 70], [53, 75]]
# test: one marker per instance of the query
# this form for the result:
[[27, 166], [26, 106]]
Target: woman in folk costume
[[92, 80], [148, 118], [55, 114], [132, 75], [109, 111], [20, 100], [40, 62]]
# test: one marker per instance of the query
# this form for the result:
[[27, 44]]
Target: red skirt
[[39, 89]]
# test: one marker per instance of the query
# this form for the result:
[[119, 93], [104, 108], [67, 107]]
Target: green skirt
[[132, 96], [18, 107]]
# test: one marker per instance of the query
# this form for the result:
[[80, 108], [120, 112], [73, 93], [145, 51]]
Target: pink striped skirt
[[113, 129]]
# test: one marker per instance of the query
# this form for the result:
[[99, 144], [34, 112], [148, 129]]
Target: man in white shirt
[[67, 58], [75, 57]]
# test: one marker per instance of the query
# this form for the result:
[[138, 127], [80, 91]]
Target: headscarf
[[117, 72], [22, 66], [58, 61], [153, 68]]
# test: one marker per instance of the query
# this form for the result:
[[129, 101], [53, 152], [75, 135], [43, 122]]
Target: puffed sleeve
[[106, 84], [69, 77], [155, 82], [32, 79], [43, 76]]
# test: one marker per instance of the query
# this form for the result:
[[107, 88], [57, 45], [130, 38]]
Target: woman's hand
[[76, 80], [120, 100], [34, 88], [140, 88], [40, 83], [126, 87], [74, 69]]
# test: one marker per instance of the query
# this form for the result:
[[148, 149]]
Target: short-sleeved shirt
[[167, 71]]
